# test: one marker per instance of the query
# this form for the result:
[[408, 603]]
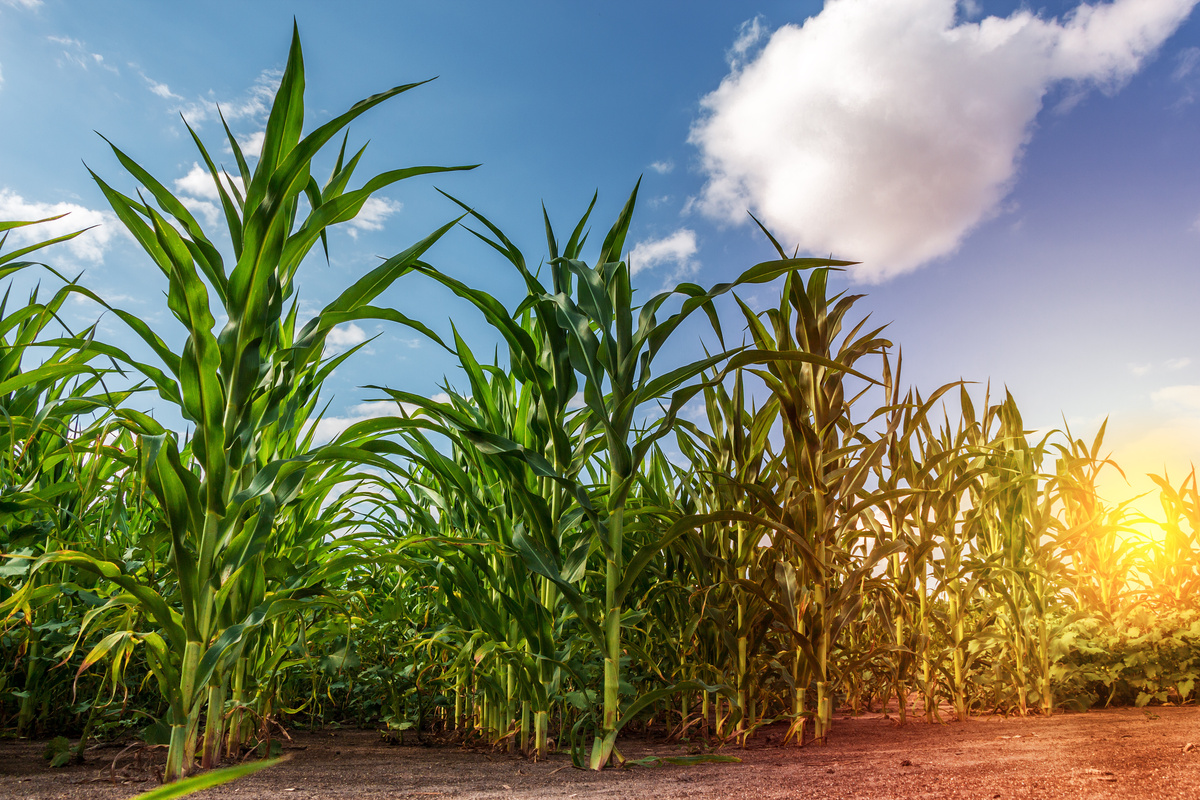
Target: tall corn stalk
[[828, 459], [233, 382]]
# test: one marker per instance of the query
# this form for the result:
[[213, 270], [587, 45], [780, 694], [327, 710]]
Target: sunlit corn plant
[[828, 457], [1172, 564], [1097, 538]]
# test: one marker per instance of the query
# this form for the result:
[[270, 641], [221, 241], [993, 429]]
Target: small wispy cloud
[[750, 33], [28, 5], [1187, 75], [160, 89], [695, 412], [88, 246], [676, 251], [372, 215], [1180, 400], [1170, 364], [76, 52], [253, 105], [343, 337], [663, 167], [1186, 61]]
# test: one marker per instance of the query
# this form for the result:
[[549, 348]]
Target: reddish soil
[[1126, 753]]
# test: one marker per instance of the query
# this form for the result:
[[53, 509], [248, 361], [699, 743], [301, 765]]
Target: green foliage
[[1142, 658]]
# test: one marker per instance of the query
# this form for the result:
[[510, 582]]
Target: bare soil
[[1126, 753]]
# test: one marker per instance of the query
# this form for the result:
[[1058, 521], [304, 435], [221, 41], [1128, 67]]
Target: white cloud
[[750, 33], [207, 210], [160, 89], [252, 144], [885, 130], [199, 183], [254, 104], [89, 246], [1178, 400], [663, 167], [343, 337], [347, 335], [330, 427], [372, 215], [677, 250], [76, 52], [1186, 61], [1187, 76], [1171, 364], [198, 192], [26, 4]]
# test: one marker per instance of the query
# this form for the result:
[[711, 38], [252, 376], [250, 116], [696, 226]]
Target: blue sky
[[1021, 181]]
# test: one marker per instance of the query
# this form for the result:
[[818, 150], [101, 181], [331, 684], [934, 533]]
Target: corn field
[[583, 537]]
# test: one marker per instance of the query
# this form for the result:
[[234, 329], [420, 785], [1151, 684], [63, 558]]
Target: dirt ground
[[1126, 753]]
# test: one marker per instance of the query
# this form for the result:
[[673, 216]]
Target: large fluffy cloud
[[884, 130]]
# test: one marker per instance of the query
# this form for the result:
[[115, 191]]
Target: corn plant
[[58, 466], [828, 459], [1173, 566], [736, 460], [235, 383], [1096, 538]]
